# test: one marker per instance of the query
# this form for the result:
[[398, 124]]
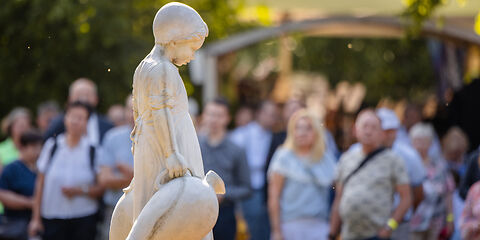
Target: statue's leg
[[122, 218]]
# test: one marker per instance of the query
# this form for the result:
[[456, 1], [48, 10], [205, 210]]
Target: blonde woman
[[300, 177]]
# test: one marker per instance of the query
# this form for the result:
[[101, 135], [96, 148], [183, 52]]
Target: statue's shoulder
[[157, 67]]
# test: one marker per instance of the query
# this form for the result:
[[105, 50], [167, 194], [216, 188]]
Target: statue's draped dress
[[158, 91]]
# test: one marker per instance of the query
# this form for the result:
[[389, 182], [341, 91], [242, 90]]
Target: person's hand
[[71, 192], [176, 166], [125, 169], [451, 228], [35, 227], [276, 235], [385, 232]]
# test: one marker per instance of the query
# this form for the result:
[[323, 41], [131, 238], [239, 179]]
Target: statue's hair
[[177, 22]]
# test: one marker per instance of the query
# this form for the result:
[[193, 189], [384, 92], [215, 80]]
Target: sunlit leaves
[[477, 24]]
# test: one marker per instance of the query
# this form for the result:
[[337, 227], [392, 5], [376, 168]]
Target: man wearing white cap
[[413, 164]]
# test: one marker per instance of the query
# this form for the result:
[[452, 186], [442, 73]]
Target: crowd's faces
[[411, 117], [390, 136], [290, 108], [76, 120], [116, 114], [422, 144], [44, 119], [267, 115], [19, 126], [31, 152], [454, 155], [368, 130], [85, 92], [304, 133], [215, 117], [129, 112], [243, 117]]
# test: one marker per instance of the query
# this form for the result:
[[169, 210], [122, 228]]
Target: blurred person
[[17, 183], [454, 147], [470, 219], [243, 116], [367, 178], [255, 139], [13, 125], [116, 115], [463, 111], [300, 177], [83, 90], [413, 165], [66, 192], [411, 116], [229, 161], [116, 168], [278, 138], [46, 112], [472, 174], [434, 216]]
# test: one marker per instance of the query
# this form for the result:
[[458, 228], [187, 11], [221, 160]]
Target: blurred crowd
[[285, 176]]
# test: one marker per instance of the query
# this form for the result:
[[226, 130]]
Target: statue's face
[[182, 52]]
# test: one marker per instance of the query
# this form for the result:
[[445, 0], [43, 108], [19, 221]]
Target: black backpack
[[91, 154]]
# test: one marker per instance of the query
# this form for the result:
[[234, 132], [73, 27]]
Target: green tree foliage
[[419, 11], [45, 45], [388, 67]]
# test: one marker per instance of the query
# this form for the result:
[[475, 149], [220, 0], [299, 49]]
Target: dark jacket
[[472, 175]]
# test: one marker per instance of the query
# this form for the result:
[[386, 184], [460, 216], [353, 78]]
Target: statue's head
[[180, 30]]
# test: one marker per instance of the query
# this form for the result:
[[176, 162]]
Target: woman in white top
[[300, 177], [66, 192]]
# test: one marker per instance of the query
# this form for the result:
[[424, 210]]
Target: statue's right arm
[[162, 103]]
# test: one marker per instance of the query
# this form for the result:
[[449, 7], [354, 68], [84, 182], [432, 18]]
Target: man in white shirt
[[255, 138]]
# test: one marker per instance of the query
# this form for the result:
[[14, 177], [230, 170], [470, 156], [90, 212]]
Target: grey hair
[[420, 130]]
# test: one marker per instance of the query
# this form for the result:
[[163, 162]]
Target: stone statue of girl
[[167, 198]]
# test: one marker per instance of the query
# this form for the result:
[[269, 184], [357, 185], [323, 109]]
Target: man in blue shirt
[[255, 139], [116, 168]]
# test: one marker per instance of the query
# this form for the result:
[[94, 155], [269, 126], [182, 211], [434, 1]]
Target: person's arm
[[36, 222], [470, 176], [417, 196], [242, 187], [109, 180], [450, 217], [335, 220], [469, 224], [275, 186], [93, 191], [403, 191], [15, 201]]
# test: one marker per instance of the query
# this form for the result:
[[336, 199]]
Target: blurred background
[[336, 57], [389, 51]]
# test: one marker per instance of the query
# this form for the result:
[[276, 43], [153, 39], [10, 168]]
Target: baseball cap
[[389, 119]]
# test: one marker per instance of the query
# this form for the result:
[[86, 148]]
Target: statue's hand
[[176, 165]]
